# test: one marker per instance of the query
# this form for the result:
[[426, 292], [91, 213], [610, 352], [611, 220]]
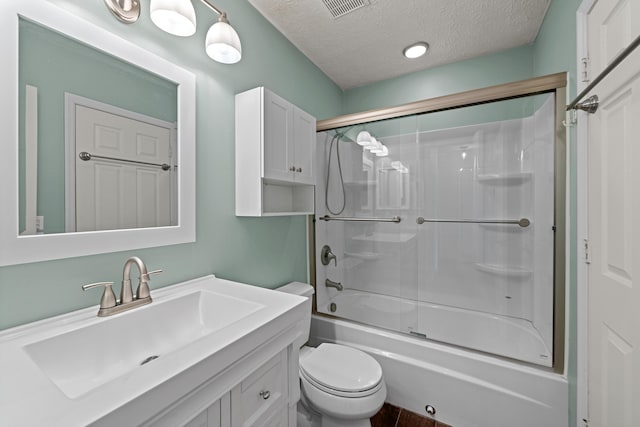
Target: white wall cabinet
[[274, 156]]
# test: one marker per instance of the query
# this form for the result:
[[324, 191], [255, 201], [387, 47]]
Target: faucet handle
[[146, 277], [143, 287], [326, 256], [108, 299]]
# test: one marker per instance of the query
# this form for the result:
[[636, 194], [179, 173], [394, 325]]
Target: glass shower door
[[486, 228], [444, 227], [370, 198]]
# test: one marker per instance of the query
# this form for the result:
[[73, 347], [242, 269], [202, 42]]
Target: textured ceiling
[[365, 45]]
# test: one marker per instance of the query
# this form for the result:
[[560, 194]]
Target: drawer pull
[[265, 394]]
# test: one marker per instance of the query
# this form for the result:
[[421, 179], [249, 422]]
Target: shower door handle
[[522, 222]]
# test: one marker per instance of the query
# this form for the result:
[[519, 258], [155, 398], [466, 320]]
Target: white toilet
[[340, 386]]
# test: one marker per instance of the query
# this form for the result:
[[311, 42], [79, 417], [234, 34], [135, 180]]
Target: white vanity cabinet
[[274, 156], [264, 397]]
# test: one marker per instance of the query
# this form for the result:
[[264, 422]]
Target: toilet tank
[[305, 290]]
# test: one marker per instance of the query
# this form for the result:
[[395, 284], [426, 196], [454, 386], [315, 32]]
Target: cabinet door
[[304, 136], [262, 394], [201, 420], [277, 147], [210, 417], [278, 419]]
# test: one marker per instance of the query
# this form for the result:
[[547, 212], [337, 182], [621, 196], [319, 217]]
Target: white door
[[116, 193], [614, 214]]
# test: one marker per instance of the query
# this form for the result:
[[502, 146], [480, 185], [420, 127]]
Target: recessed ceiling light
[[416, 50]]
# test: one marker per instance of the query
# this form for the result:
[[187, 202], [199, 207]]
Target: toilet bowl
[[340, 386]]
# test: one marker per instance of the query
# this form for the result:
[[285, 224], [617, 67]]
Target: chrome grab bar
[[395, 219], [522, 222]]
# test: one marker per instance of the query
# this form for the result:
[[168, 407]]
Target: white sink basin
[[83, 359]]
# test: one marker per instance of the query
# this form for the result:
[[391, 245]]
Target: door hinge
[[585, 69], [587, 254]]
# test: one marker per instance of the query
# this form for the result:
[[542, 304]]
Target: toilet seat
[[341, 371]]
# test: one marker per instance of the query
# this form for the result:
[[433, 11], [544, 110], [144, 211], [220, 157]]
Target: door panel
[[113, 194], [614, 204]]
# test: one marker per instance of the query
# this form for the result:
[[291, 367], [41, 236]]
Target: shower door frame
[[552, 83]]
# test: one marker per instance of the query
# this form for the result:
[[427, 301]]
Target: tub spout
[[331, 284]]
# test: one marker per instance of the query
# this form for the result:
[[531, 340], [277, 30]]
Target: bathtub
[[466, 388]]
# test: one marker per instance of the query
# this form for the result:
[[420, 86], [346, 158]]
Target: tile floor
[[394, 416]]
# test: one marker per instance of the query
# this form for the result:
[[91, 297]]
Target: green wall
[[261, 251], [510, 65]]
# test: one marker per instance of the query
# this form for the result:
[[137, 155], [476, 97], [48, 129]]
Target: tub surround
[[186, 380]]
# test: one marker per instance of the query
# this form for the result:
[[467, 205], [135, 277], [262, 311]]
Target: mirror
[[71, 78], [122, 116], [393, 185]]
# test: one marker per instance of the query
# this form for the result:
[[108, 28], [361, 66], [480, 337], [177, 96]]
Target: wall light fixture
[[178, 17]]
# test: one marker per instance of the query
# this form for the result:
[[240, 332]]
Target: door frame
[[70, 102], [582, 223]]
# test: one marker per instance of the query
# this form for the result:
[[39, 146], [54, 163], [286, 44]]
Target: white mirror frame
[[15, 249]]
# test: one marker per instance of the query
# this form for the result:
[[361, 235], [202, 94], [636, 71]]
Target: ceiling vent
[[339, 8]]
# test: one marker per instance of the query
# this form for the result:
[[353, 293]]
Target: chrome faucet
[[108, 303], [126, 293], [331, 284]]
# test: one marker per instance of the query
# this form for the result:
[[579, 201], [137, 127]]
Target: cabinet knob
[[299, 170], [292, 169], [265, 394]]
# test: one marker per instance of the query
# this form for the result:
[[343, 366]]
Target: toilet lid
[[341, 368]]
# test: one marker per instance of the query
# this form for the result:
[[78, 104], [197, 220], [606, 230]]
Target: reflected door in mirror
[[120, 183]]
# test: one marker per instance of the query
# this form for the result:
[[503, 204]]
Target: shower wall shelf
[[513, 178], [275, 142], [385, 237], [360, 183], [365, 256], [501, 270]]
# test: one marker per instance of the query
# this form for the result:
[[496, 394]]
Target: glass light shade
[[384, 152], [378, 148], [364, 138], [373, 144], [176, 17], [223, 44]]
